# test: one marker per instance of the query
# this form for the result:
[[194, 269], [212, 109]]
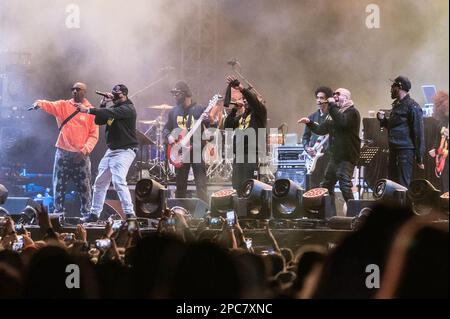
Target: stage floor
[[290, 238]]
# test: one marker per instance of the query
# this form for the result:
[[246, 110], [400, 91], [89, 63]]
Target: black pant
[[316, 177], [182, 174], [243, 172], [401, 166], [341, 172]]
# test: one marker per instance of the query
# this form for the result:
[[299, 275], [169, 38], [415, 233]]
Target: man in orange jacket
[[78, 135]]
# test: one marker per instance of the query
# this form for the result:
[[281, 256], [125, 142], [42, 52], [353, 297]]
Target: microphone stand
[[250, 86], [150, 85]]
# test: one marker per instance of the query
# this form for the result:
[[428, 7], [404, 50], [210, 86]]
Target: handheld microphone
[[102, 94], [32, 108]]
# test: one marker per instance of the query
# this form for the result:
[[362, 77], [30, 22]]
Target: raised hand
[[44, 218], [81, 233], [231, 79], [304, 120]]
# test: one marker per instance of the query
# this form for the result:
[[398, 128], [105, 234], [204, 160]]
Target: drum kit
[[151, 139]]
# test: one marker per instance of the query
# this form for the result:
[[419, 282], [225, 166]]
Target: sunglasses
[[76, 89]]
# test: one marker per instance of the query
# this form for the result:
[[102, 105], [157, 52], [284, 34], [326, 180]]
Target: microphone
[[102, 94], [233, 62]]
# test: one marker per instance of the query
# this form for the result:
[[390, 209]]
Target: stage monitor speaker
[[197, 207], [354, 206]]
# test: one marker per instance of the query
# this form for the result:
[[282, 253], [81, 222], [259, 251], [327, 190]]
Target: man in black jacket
[[248, 114], [342, 125], [405, 133], [183, 117], [310, 139], [120, 121]]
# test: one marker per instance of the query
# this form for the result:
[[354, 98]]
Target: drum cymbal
[[160, 107]]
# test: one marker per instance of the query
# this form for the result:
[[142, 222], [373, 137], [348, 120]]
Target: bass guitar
[[311, 161], [442, 152], [177, 150]]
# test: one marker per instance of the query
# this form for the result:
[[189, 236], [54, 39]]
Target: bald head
[[79, 92], [343, 97], [80, 85], [345, 93]]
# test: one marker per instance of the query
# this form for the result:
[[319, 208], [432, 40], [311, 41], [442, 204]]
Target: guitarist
[[441, 115], [310, 139], [183, 117]]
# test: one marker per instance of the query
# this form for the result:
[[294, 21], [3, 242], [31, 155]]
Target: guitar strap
[[189, 121]]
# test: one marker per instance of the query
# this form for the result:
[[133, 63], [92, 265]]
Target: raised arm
[[50, 107], [342, 119], [120, 112]]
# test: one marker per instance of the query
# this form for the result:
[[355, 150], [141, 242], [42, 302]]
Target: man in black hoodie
[[342, 125], [247, 116], [120, 121], [183, 117], [405, 133]]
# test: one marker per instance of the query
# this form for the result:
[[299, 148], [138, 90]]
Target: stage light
[[423, 197], [28, 216], [222, 201], [286, 199], [150, 198], [317, 204], [390, 192], [255, 200]]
